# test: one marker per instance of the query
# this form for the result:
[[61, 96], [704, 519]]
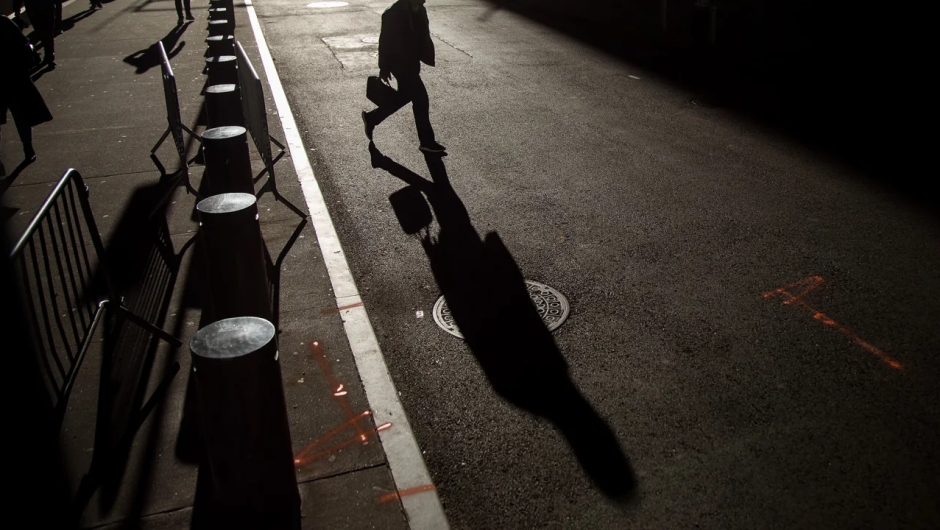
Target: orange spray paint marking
[[340, 308], [811, 283], [331, 380], [302, 455], [808, 285], [315, 450], [404, 493]]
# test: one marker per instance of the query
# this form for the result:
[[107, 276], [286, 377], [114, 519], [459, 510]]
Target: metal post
[[237, 270], [245, 426], [221, 45], [216, 13], [222, 70], [228, 162], [228, 4], [224, 106], [223, 26]]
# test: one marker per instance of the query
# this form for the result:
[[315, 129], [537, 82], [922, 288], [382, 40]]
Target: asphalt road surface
[[753, 332]]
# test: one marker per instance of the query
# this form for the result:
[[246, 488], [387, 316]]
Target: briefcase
[[379, 92]]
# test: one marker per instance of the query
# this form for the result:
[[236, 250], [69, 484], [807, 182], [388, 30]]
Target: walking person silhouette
[[17, 91], [405, 43]]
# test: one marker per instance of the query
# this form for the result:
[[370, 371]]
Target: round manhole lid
[[551, 305]]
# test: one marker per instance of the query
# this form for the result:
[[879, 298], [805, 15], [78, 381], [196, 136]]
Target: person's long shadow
[[149, 57], [490, 304]]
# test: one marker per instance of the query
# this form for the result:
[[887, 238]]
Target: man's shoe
[[29, 154], [433, 147], [369, 127], [189, 16]]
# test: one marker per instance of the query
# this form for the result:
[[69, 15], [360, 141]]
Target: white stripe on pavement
[[423, 507]]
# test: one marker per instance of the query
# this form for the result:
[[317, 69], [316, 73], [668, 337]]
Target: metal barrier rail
[[55, 268]]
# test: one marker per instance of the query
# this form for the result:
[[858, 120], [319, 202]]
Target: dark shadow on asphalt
[[143, 268], [40, 71], [149, 57], [35, 466], [8, 180], [802, 67], [488, 298]]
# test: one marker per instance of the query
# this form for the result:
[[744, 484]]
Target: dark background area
[[845, 77]]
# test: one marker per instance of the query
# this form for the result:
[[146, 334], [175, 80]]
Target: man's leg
[[25, 132], [414, 88], [179, 9]]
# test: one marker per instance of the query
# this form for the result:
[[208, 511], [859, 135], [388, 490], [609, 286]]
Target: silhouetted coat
[[405, 40], [17, 91]]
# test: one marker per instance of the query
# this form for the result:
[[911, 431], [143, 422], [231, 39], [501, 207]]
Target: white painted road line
[[411, 476]]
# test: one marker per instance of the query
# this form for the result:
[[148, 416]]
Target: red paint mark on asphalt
[[811, 283], [340, 308], [318, 448], [404, 493]]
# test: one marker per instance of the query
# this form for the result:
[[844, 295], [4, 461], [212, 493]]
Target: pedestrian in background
[[41, 14], [180, 4], [17, 91], [405, 43]]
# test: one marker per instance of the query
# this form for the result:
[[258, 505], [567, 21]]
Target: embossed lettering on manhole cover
[[551, 305]]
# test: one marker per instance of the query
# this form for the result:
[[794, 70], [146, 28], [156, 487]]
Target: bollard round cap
[[232, 338], [221, 59], [226, 203], [222, 133], [221, 89]]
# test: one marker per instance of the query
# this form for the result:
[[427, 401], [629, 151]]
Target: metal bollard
[[237, 270], [228, 162], [219, 45], [222, 70], [221, 27], [228, 4], [216, 13], [224, 106], [245, 425]]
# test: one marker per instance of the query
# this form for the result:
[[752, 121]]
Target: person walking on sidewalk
[[180, 4], [405, 43], [17, 91], [42, 14]]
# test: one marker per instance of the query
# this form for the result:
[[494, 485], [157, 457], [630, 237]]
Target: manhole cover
[[551, 305]]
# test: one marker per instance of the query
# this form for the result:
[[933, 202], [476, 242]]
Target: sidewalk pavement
[[108, 107]]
